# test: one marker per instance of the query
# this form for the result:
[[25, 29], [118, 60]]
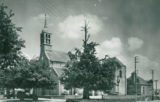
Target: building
[[55, 59], [144, 87], [120, 80]]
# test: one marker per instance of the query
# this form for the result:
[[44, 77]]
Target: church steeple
[[45, 37]]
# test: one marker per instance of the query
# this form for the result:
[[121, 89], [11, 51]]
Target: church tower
[[45, 39]]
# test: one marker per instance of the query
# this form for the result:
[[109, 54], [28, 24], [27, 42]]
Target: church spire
[[45, 22], [45, 38]]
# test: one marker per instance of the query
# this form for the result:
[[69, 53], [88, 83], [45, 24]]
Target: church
[[57, 61]]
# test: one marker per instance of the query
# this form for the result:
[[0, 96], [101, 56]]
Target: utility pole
[[156, 86], [152, 84], [135, 61]]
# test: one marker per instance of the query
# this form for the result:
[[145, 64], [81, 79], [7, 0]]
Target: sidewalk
[[150, 101]]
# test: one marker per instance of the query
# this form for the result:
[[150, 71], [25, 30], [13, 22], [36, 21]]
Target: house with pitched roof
[[120, 87], [120, 79], [144, 87]]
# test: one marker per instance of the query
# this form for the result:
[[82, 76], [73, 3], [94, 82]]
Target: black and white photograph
[[79, 50]]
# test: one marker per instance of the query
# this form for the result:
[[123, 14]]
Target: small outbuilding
[[144, 87]]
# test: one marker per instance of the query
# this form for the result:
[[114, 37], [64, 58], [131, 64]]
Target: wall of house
[[143, 89], [121, 76], [146, 90], [54, 91], [122, 88]]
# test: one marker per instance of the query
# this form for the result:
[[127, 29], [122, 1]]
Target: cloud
[[71, 26], [134, 43], [111, 47]]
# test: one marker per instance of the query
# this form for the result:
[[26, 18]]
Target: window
[[42, 39], [48, 39], [120, 73], [143, 90]]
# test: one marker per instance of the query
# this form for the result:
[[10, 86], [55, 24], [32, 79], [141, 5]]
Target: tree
[[41, 75], [15, 78], [85, 70], [15, 70], [82, 71], [30, 74], [34, 74], [107, 73], [10, 45]]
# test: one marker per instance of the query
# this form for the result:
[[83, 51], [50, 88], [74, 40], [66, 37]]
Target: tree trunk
[[8, 93], [13, 93], [35, 91], [85, 93], [74, 91]]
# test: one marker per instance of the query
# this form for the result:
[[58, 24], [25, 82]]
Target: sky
[[123, 28]]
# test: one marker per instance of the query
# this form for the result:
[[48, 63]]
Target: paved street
[[39, 100], [150, 101]]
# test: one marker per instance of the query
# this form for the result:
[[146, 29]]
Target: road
[[29, 100]]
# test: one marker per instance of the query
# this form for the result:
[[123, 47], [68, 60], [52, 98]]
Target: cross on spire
[[45, 22]]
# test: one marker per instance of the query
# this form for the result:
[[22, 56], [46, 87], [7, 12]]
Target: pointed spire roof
[[45, 21], [45, 29]]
